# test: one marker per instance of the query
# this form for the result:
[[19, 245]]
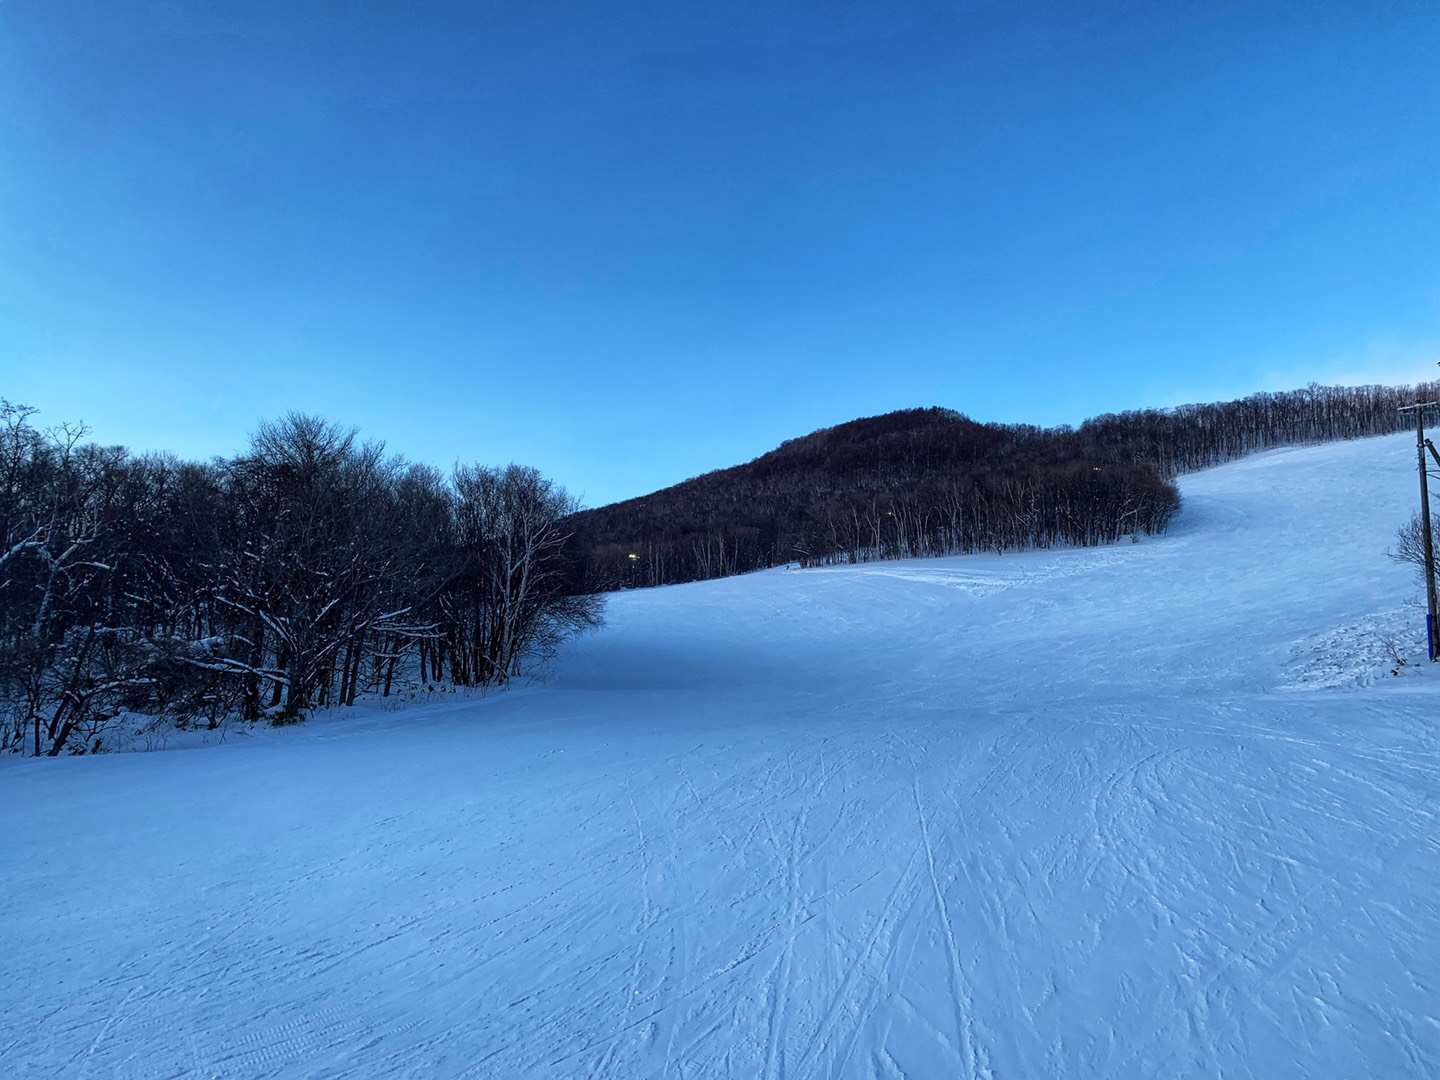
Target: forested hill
[[929, 482]]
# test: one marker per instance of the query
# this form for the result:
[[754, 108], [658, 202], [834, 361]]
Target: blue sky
[[631, 242]]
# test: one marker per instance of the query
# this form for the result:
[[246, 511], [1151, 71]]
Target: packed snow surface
[[1158, 809]]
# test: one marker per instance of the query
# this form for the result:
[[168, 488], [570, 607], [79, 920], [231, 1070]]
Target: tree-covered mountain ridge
[[932, 481]]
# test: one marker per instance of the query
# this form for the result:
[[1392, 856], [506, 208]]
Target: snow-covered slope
[[1151, 810]]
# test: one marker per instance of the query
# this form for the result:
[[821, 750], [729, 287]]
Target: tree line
[[1190, 437], [304, 572], [930, 482], [315, 567]]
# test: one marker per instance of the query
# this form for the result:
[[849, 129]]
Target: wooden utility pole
[[1432, 622]]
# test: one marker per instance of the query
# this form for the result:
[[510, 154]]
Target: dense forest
[[314, 568], [302, 573], [927, 482]]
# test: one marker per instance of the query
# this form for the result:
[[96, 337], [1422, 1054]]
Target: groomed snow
[[1151, 810]]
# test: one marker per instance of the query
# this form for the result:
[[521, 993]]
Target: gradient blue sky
[[631, 242]]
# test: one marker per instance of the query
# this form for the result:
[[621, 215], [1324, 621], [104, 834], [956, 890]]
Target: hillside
[[910, 483], [1155, 809], [932, 482]]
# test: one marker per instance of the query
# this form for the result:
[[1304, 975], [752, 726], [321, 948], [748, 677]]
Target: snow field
[[1150, 810]]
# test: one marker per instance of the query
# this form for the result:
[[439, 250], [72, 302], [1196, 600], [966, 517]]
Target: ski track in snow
[[1151, 810]]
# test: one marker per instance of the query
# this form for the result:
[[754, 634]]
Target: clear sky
[[631, 242]]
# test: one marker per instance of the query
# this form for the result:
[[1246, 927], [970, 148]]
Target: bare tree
[[1410, 543], [510, 596]]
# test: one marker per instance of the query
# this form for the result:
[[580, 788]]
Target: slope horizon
[[931, 482], [97, 426], [1422, 386]]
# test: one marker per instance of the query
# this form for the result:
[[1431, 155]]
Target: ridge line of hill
[[931, 481]]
